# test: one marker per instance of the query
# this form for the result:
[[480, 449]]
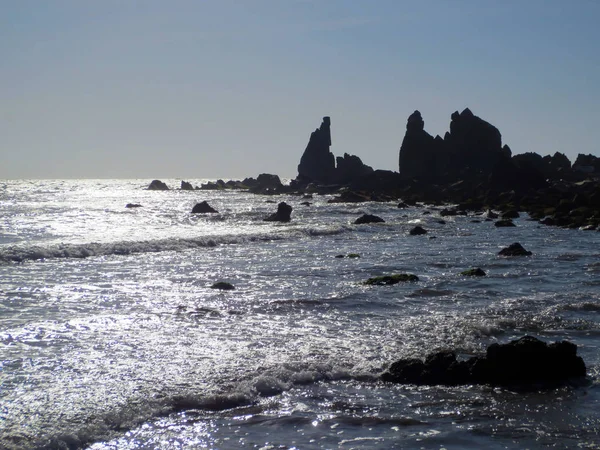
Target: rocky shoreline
[[468, 168]]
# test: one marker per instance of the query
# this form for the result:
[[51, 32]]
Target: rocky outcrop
[[157, 185], [283, 214], [477, 272], [471, 148], [186, 186], [203, 208], [526, 363], [318, 163], [349, 168]]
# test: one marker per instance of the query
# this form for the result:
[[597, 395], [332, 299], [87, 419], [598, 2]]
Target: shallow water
[[111, 336]]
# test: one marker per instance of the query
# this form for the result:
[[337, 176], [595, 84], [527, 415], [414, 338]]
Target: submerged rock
[[202, 208], [391, 279], [157, 185], [473, 273], [515, 249], [133, 205], [526, 363], [504, 223], [283, 214], [368, 218]]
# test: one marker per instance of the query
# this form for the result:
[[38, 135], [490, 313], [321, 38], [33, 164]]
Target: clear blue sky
[[224, 88]]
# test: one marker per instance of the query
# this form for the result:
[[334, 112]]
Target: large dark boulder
[[318, 163], [526, 363], [203, 208], [283, 214], [186, 186], [157, 185]]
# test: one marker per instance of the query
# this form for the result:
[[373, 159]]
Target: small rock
[[391, 279], [133, 205], [473, 273], [202, 208], [504, 223], [157, 185], [283, 214], [368, 218], [416, 231], [223, 285], [515, 249]]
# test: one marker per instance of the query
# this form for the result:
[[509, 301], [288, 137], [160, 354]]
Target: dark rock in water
[[353, 255], [339, 256], [417, 231], [473, 273], [391, 279], [448, 212], [510, 214], [515, 249], [133, 205], [368, 218], [157, 185], [223, 285], [527, 363], [504, 223], [185, 186], [305, 203], [202, 208], [491, 214], [402, 205], [317, 162], [283, 214]]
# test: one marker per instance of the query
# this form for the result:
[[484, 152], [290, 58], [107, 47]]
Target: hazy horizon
[[231, 89]]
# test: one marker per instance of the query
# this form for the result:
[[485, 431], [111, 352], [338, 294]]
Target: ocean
[[111, 336]]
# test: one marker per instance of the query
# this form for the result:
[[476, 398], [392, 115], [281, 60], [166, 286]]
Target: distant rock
[[417, 231], [133, 205], [472, 146], [317, 162], [157, 185], [515, 249], [391, 279], [350, 197], [368, 218], [185, 186], [283, 214], [524, 364], [203, 208]]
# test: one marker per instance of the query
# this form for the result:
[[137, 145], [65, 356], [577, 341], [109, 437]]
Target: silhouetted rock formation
[[157, 185], [317, 162], [203, 208], [349, 168], [283, 214], [526, 363], [587, 163], [472, 147], [186, 186]]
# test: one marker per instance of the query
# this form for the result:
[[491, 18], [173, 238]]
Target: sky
[[197, 89]]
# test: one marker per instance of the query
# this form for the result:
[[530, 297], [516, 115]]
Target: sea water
[[112, 338]]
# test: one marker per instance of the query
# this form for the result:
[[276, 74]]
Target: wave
[[98, 424], [20, 253]]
